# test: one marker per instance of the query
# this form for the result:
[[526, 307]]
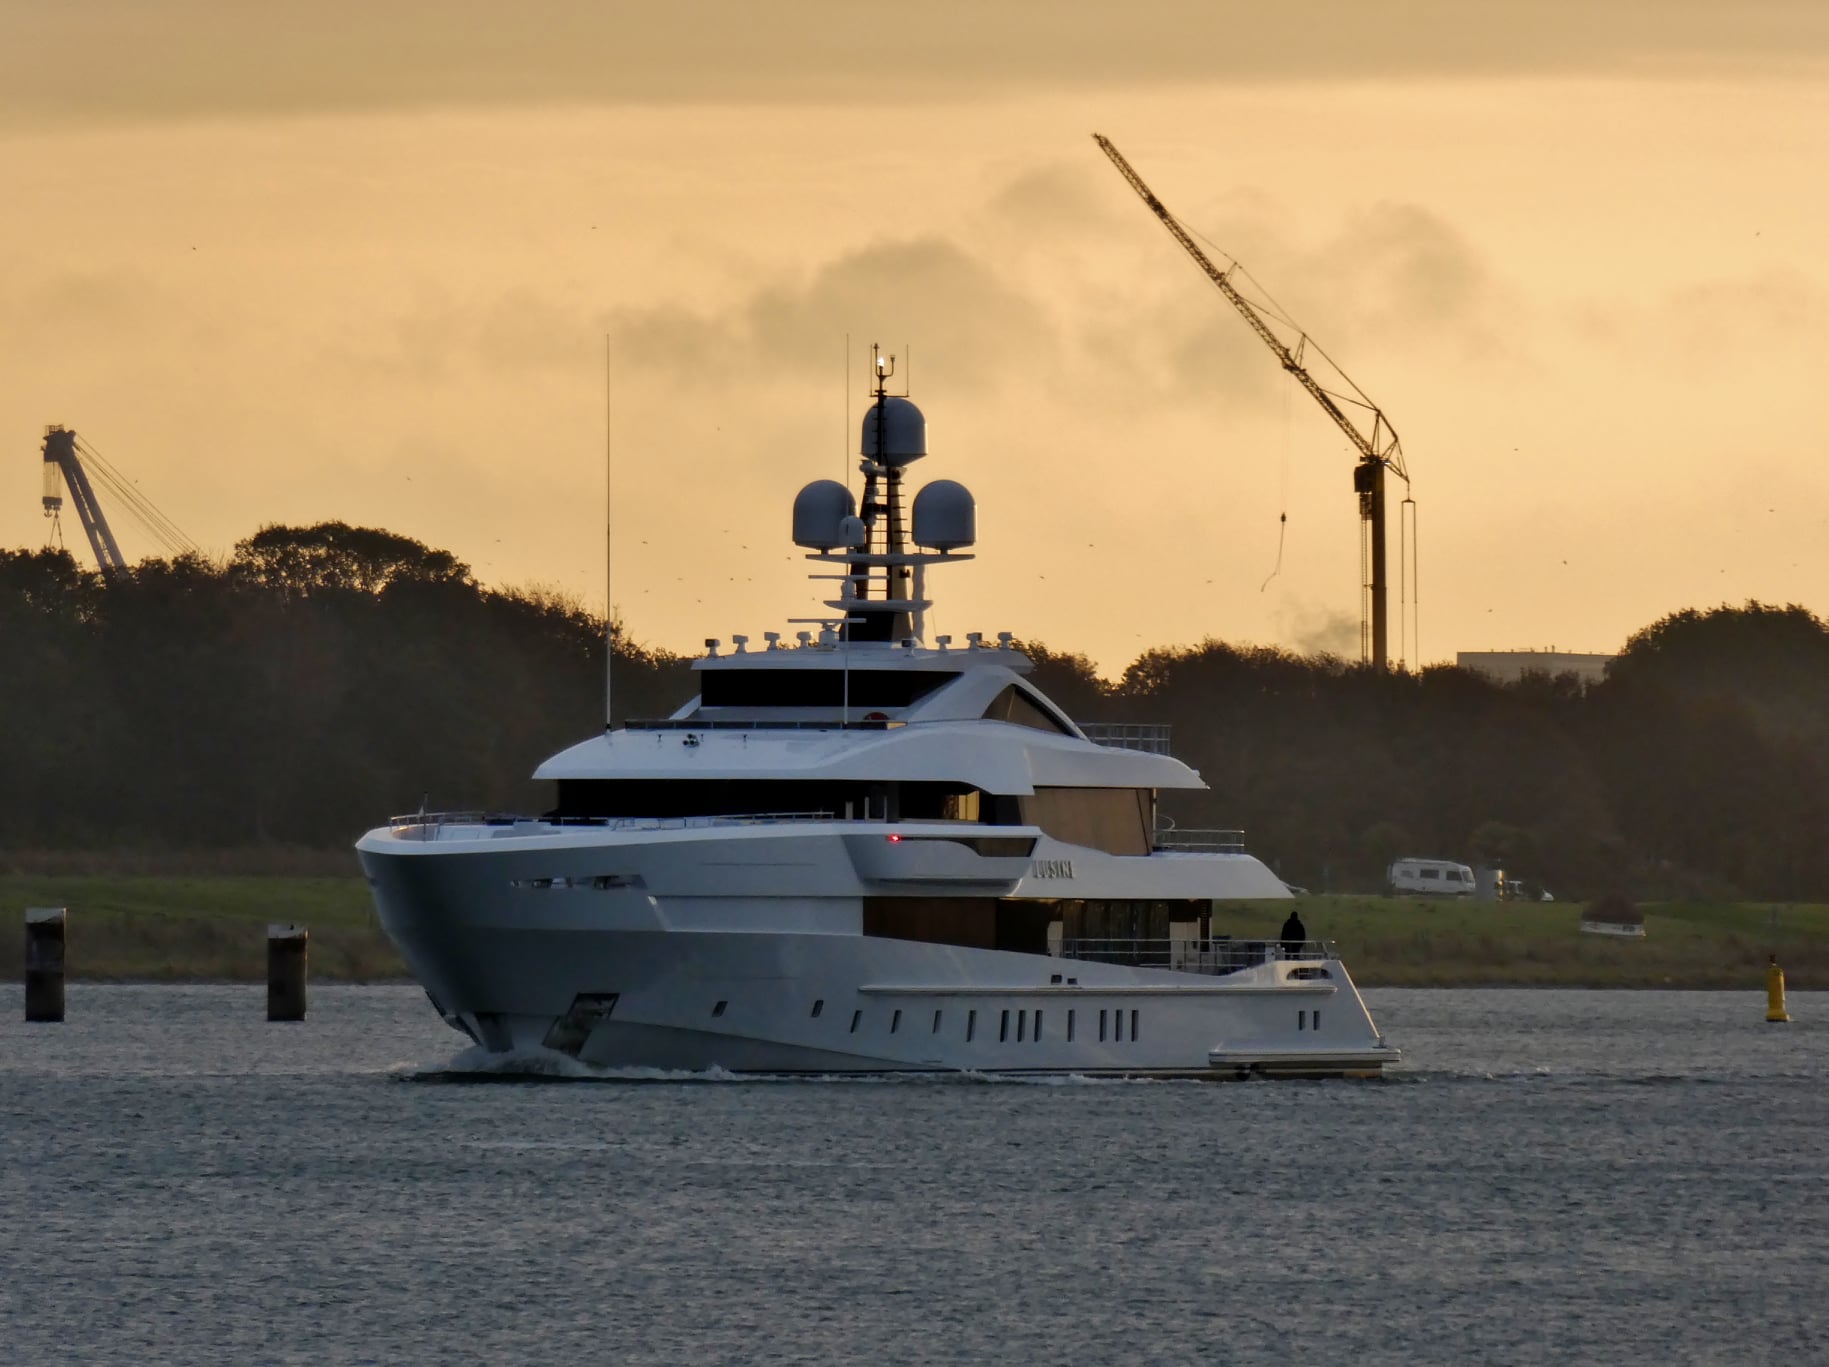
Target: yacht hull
[[708, 976]]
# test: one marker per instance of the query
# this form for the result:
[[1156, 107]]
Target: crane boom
[[60, 458], [1379, 450]]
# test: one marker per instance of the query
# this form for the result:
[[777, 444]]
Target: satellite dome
[[945, 516], [904, 434], [821, 511]]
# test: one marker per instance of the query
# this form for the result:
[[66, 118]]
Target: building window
[[718, 1010], [818, 1006]]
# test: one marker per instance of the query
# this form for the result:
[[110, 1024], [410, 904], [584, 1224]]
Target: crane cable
[[1282, 522], [160, 527]]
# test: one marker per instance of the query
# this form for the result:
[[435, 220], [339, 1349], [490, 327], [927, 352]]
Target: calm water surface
[[1557, 1177]]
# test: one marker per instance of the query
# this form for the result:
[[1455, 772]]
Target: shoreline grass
[[190, 927]]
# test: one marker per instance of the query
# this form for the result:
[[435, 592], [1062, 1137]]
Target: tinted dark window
[[1014, 705], [817, 687]]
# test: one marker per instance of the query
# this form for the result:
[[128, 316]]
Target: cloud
[[200, 58], [972, 324]]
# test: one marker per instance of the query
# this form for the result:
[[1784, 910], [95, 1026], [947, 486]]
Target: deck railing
[[1147, 736], [1194, 841], [1192, 955], [434, 825]]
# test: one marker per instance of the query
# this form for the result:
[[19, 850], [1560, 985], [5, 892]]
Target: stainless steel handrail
[[430, 823], [1213, 841], [1148, 736], [1193, 955]]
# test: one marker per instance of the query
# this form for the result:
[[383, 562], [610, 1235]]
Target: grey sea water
[[1558, 1176]]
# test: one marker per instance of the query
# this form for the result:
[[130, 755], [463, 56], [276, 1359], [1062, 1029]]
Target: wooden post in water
[[287, 954], [44, 963]]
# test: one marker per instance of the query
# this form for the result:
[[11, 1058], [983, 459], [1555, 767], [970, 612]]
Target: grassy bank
[[136, 927], [142, 926], [1455, 942]]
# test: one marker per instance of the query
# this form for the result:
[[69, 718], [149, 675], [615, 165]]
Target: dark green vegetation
[[1456, 942], [147, 929], [133, 926], [323, 678]]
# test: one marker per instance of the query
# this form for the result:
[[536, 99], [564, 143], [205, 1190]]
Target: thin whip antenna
[[609, 557], [844, 446]]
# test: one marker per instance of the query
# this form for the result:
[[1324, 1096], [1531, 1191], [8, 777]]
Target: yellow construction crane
[[1379, 449]]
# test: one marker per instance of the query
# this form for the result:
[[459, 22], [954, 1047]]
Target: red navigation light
[[895, 840]]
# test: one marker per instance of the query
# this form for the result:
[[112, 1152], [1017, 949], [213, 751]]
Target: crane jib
[[1375, 459]]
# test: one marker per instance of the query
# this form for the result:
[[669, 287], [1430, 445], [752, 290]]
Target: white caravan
[[1442, 876]]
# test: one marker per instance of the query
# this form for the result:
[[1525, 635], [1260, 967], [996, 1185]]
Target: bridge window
[[1016, 705], [826, 688]]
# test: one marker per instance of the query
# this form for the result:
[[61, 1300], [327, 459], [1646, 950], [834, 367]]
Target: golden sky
[[288, 262]]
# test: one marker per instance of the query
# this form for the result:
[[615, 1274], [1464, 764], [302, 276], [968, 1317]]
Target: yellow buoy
[[1775, 992]]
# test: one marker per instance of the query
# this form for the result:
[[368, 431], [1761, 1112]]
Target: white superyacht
[[861, 853]]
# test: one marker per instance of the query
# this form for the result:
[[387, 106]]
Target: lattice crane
[[1379, 449], [64, 465]]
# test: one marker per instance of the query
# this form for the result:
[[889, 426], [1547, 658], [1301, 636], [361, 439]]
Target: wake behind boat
[[858, 852]]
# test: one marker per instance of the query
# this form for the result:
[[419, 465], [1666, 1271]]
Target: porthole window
[[1022, 1019], [1133, 1027], [936, 1022], [1301, 1020], [1070, 1025], [1003, 1029], [1037, 1036], [1101, 1027]]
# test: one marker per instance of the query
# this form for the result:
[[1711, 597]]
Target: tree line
[[321, 678]]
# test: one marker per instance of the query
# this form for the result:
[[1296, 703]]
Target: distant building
[[1508, 666]]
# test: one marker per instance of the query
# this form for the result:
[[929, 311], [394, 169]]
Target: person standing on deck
[[1295, 934]]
